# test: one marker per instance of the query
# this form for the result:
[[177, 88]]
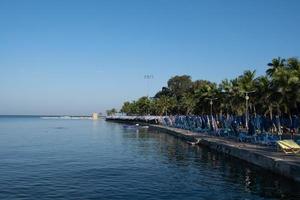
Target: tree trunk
[[271, 112], [278, 110]]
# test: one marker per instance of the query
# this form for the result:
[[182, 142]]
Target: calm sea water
[[84, 159]]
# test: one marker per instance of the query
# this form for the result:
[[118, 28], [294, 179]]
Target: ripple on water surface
[[82, 159]]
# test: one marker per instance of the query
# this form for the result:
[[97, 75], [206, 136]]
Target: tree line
[[275, 93]]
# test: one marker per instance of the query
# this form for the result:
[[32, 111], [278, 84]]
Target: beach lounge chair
[[267, 139], [288, 146]]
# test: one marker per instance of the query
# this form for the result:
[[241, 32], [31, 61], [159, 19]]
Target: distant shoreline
[[38, 116]]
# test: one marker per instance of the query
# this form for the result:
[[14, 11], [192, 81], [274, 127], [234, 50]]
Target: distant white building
[[95, 116]]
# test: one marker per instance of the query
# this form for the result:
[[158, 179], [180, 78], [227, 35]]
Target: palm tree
[[111, 111], [202, 90], [143, 105], [279, 88], [236, 99], [275, 65], [293, 64], [241, 86], [164, 104], [224, 96], [246, 81], [262, 100], [188, 103], [285, 84], [282, 90]]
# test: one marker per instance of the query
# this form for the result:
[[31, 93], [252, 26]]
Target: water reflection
[[99, 160], [201, 160]]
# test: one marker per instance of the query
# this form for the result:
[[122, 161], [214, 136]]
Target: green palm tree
[[224, 96], [240, 86], [275, 65], [188, 103], [164, 105], [293, 64], [281, 86], [277, 92], [203, 90], [262, 100]]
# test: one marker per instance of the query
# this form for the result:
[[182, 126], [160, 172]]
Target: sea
[[78, 158]]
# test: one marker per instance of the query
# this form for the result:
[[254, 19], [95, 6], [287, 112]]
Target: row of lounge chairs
[[220, 127], [229, 131]]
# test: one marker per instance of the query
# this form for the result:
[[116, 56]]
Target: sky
[[78, 57]]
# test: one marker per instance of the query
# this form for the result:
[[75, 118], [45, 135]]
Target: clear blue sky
[[76, 57]]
